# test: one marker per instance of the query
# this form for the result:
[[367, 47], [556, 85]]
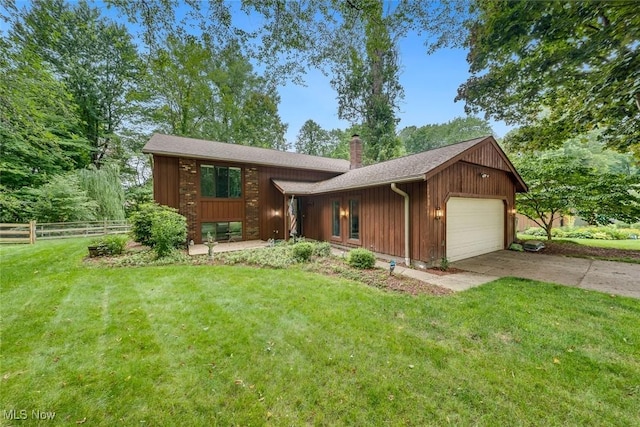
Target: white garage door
[[474, 227]]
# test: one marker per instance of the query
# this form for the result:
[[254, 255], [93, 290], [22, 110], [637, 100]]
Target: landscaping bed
[[277, 257]]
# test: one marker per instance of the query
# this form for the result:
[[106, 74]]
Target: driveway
[[617, 278]]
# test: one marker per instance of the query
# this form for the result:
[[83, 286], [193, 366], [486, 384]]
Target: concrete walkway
[[615, 278], [456, 282]]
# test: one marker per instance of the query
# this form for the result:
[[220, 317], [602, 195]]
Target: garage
[[475, 226]]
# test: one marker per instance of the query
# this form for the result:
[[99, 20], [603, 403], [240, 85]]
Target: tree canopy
[[427, 137], [558, 69], [596, 184]]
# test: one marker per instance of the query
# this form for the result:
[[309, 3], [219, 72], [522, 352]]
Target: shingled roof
[[177, 146], [416, 167]]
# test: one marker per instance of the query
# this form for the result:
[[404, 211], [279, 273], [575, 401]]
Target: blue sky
[[430, 84]]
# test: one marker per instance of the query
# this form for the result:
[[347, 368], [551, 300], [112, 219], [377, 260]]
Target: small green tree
[[62, 200], [563, 185], [168, 231], [159, 227]]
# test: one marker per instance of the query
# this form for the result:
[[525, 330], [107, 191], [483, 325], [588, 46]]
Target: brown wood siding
[[486, 155], [381, 219], [464, 180], [382, 212], [272, 201], [166, 181]]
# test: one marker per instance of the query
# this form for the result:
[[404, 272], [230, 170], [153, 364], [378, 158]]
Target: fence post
[[32, 232], [104, 226]]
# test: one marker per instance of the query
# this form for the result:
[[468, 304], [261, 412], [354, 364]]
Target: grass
[[628, 244], [613, 244], [203, 345]]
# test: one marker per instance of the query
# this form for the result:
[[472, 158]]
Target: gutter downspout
[[407, 258]]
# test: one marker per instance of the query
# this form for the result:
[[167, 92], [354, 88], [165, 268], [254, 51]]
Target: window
[[335, 218], [354, 219], [222, 231], [220, 182]]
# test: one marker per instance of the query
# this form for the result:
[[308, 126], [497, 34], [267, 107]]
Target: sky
[[430, 85]]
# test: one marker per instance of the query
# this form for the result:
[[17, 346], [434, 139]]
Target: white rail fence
[[32, 231]]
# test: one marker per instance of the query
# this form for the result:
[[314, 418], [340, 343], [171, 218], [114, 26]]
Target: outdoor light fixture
[[275, 212], [344, 213], [438, 213], [512, 211], [484, 175]]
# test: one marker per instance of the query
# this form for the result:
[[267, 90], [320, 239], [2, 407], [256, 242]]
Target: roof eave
[[413, 178], [229, 160]]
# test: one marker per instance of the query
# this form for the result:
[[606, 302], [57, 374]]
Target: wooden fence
[[29, 233], [18, 233]]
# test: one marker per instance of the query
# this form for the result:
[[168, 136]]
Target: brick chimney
[[355, 152]]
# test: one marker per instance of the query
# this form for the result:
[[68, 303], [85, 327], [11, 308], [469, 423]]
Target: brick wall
[[188, 193], [251, 204]]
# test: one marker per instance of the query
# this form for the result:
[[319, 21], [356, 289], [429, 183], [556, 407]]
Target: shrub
[[361, 258], [278, 256], [444, 264], [535, 231], [302, 251], [113, 244], [62, 200], [322, 249], [142, 222], [168, 231]]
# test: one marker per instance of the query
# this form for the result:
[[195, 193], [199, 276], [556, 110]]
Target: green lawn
[[614, 244], [632, 244], [202, 345]]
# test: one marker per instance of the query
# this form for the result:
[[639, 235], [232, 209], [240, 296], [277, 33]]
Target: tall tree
[[432, 136], [355, 41], [40, 134], [367, 81], [558, 68], [312, 139], [195, 89], [95, 58]]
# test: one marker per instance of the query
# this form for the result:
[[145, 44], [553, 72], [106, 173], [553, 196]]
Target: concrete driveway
[[617, 278]]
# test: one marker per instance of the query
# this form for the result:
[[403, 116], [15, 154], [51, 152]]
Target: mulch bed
[[377, 278]]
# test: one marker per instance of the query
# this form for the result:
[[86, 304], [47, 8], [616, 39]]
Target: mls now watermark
[[23, 414]]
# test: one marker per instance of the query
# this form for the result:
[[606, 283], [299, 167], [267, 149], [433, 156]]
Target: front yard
[[232, 345]]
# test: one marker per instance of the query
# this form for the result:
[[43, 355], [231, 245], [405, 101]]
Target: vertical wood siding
[[166, 181], [272, 201], [463, 180], [382, 211]]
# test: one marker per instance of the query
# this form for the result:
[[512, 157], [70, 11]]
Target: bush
[[361, 258], [302, 251], [62, 200], [535, 231], [168, 231], [141, 222], [113, 244], [322, 249], [278, 256]]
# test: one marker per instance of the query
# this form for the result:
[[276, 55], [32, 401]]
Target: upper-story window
[[220, 182]]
